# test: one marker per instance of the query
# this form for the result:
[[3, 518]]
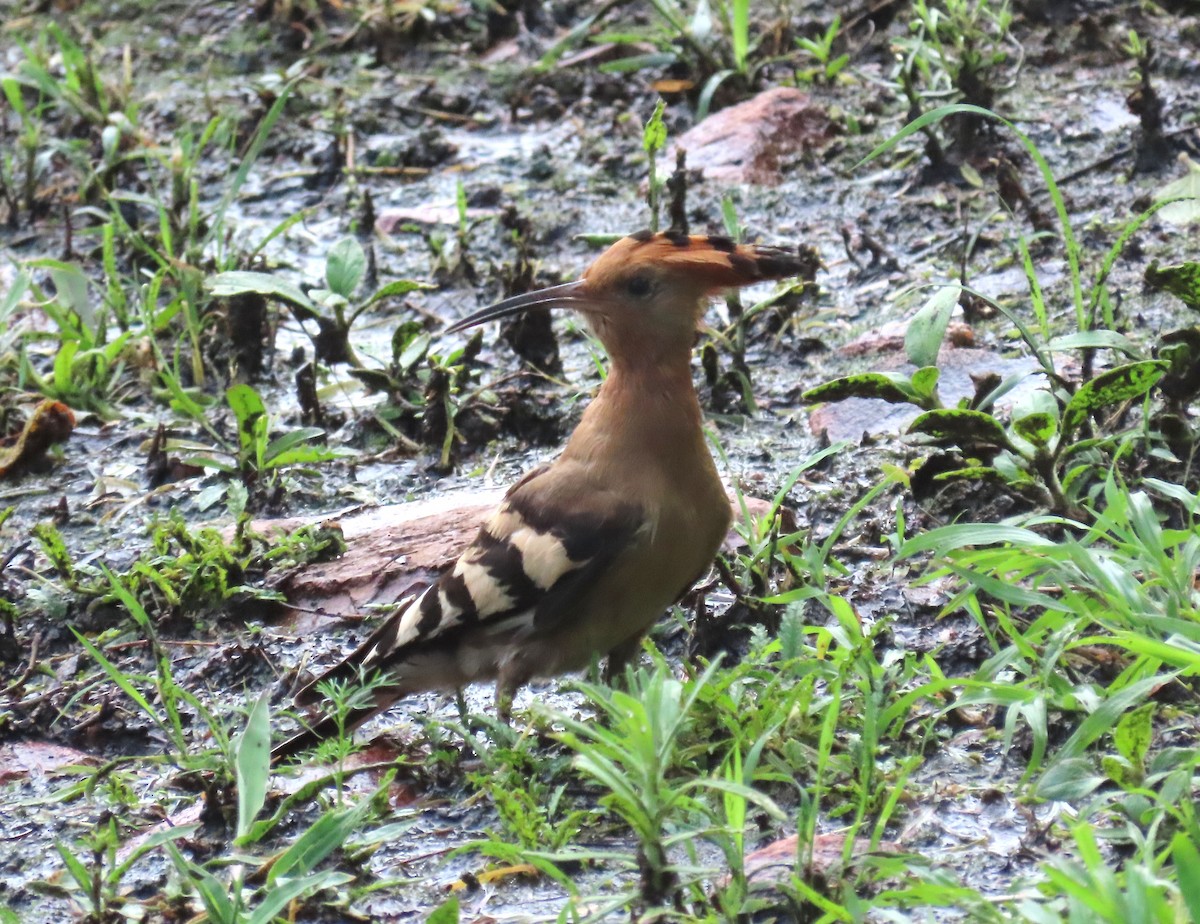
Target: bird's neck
[[645, 419]]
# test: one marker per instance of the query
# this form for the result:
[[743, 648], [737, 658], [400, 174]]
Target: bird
[[585, 553]]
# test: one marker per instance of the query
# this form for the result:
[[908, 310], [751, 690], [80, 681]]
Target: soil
[[547, 159]]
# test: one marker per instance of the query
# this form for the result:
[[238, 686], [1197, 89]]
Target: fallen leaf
[[51, 422]]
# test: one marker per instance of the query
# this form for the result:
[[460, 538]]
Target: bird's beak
[[567, 295]]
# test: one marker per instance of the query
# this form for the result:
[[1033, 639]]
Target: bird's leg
[[460, 702], [620, 658], [504, 701]]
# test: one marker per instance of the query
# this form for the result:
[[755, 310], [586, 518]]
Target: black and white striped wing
[[529, 562]]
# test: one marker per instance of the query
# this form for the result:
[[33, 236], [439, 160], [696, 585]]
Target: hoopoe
[[583, 554]]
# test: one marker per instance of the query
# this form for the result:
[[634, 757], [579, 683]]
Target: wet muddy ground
[[383, 132]]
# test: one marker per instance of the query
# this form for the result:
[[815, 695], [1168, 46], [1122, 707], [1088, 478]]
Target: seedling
[[187, 572], [23, 165], [654, 139], [286, 878], [94, 873], [257, 458], [957, 49], [431, 395], [779, 565], [333, 308], [1145, 103], [820, 49], [632, 755], [87, 368]]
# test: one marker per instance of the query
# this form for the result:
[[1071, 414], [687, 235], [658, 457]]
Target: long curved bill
[[567, 295]]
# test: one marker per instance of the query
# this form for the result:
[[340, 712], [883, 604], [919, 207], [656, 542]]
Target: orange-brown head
[[647, 292]]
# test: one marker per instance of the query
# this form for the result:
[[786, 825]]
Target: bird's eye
[[638, 286]]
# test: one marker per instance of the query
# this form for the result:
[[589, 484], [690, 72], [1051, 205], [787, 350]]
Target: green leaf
[[1112, 387], [326, 835], [925, 381], [414, 351], [246, 404], [151, 842], [213, 893], [216, 223], [396, 288], [303, 455], [654, 135], [1093, 340], [64, 365], [122, 680], [283, 893], [130, 602], [749, 793], [12, 92], [1069, 780], [1187, 869], [1180, 279], [16, 291], [1012, 467], [1181, 348], [290, 440], [962, 427], [1187, 190], [345, 267], [223, 285], [71, 288], [1035, 402], [1120, 771], [217, 465], [1108, 713], [928, 326], [252, 762], [971, 472], [887, 386], [741, 32], [78, 871], [1133, 734], [1037, 428], [251, 416], [372, 379], [1176, 492], [729, 218], [704, 100], [948, 538], [460, 203], [445, 913]]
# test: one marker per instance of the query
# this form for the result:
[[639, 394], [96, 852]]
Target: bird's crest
[[716, 262]]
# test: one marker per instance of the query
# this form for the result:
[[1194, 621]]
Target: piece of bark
[[390, 551], [20, 759], [431, 213], [776, 862], [758, 141]]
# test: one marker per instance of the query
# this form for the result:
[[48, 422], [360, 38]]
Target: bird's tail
[[356, 667], [358, 675], [324, 728]]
